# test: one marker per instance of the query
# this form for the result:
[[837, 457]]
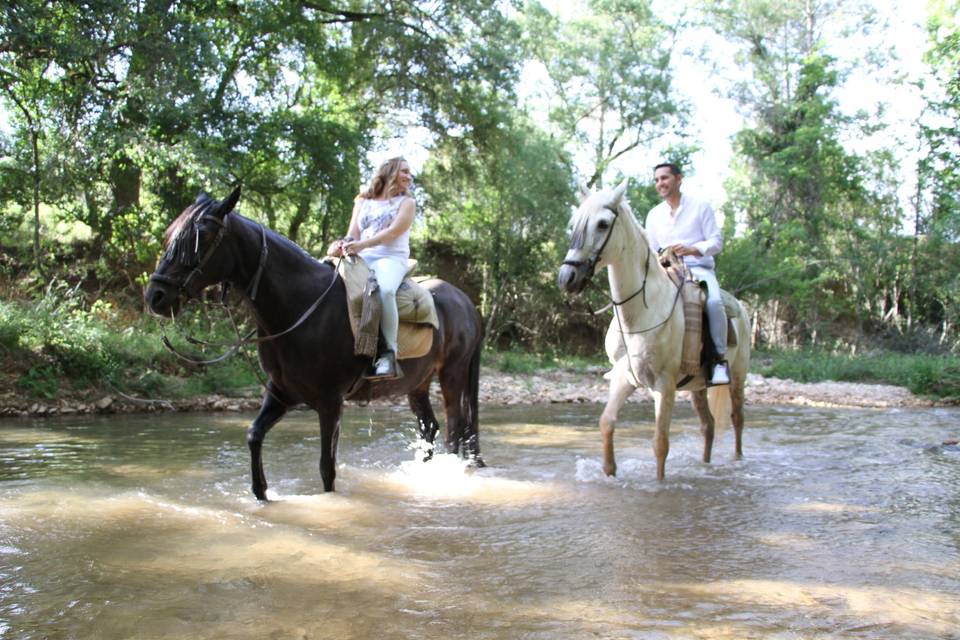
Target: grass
[[520, 361], [57, 346], [935, 376]]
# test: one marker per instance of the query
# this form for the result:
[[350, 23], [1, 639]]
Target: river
[[837, 523]]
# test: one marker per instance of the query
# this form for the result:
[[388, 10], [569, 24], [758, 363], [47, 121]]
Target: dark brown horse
[[314, 362]]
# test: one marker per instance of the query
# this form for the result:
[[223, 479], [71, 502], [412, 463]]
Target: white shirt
[[375, 216], [694, 225]]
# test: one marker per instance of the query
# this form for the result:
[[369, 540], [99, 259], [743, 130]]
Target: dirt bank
[[565, 386], [498, 388]]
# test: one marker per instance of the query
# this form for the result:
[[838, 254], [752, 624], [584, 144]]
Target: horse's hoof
[[477, 462], [610, 470]]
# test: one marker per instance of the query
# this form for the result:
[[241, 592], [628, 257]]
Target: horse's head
[[591, 231], [193, 258]]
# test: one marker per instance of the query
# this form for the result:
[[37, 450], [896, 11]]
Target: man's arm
[[713, 235], [652, 230]]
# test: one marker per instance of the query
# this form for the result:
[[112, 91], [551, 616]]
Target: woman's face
[[404, 177]]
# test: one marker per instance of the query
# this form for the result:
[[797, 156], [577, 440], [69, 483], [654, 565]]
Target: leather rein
[[642, 291], [251, 289]]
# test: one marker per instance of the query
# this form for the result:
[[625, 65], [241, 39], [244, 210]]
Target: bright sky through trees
[[704, 71]]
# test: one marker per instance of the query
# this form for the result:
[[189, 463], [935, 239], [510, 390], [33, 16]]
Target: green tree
[[817, 221], [608, 73], [147, 102], [932, 293], [503, 201]]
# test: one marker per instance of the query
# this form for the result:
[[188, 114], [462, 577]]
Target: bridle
[[182, 286], [179, 254], [577, 242]]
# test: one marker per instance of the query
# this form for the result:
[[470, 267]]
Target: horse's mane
[[626, 213], [203, 204], [195, 211]]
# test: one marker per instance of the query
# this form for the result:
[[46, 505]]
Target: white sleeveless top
[[375, 216]]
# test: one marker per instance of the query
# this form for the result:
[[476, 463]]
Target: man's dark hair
[[674, 169]]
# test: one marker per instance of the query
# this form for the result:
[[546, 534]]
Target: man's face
[[666, 183]]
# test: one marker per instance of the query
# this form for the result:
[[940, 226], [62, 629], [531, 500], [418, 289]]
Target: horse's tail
[[718, 398], [470, 403]]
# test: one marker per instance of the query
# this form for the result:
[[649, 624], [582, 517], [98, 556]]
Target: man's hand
[[682, 250]]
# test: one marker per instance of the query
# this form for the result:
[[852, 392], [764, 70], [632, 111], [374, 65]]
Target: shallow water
[[837, 523]]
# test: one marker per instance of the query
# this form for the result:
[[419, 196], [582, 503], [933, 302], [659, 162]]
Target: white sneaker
[[385, 368], [720, 374]]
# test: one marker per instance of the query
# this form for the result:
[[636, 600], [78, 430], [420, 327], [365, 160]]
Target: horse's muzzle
[[573, 277], [161, 299]]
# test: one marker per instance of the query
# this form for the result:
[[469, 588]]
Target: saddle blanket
[[418, 314]]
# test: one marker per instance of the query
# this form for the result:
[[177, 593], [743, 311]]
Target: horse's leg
[[620, 390], [706, 421], [271, 410], [330, 409], [427, 421], [736, 412], [453, 381], [470, 396], [663, 406]]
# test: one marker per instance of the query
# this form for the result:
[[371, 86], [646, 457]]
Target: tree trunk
[[125, 177], [34, 142], [301, 216]]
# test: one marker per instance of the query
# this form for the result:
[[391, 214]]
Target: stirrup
[[385, 368], [721, 374]]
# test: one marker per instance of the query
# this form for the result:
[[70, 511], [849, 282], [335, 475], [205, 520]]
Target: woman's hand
[[338, 248], [352, 247]]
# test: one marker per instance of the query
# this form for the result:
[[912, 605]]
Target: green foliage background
[[119, 113]]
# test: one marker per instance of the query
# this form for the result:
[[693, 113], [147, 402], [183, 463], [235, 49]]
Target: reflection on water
[[836, 524]]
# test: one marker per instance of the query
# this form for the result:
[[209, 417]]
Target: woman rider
[[380, 233]]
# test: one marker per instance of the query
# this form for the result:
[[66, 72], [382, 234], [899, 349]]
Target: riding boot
[[386, 367]]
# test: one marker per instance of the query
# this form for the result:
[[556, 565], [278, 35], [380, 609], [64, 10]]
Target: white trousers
[[389, 272], [716, 315]]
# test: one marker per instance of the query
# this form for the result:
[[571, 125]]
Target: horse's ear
[[584, 191], [619, 191], [228, 205], [203, 196]]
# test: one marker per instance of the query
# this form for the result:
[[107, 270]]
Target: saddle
[[698, 348], [418, 315]]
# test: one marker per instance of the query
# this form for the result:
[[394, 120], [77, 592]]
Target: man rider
[[689, 227]]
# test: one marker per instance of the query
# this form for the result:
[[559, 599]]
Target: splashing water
[[445, 475]]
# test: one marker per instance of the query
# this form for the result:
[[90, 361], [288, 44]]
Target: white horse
[[645, 338]]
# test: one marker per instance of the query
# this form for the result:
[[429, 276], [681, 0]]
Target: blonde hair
[[384, 183]]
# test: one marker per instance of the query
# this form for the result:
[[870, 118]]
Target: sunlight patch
[[830, 507]]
